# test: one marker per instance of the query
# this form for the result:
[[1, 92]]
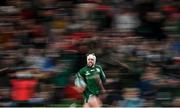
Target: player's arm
[[79, 82], [80, 75], [100, 84], [102, 79], [102, 75]]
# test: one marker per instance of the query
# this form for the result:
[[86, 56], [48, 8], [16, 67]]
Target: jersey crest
[[87, 73]]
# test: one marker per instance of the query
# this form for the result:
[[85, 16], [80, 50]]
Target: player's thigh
[[86, 105], [94, 101]]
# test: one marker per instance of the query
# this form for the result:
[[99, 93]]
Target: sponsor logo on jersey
[[87, 73], [92, 77], [97, 69]]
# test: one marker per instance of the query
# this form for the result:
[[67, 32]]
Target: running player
[[93, 76]]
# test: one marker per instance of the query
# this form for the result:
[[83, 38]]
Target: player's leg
[[86, 105], [86, 98], [94, 101]]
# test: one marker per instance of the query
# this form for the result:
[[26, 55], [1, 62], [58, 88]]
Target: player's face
[[90, 62]]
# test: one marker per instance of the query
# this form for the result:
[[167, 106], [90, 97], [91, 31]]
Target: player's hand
[[102, 95], [103, 91]]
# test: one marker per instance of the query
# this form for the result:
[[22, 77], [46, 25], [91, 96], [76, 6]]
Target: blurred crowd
[[43, 43]]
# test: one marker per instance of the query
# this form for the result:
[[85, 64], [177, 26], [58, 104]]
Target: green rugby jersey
[[90, 75]]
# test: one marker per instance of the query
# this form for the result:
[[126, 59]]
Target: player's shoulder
[[98, 66], [83, 69]]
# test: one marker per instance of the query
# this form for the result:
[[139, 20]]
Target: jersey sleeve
[[79, 80], [80, 74], [102, 74]]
